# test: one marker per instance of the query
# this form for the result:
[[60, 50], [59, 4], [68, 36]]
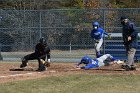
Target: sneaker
[[127, 68], [133, 67]]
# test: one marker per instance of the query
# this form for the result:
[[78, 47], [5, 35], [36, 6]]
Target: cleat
[[127, 68], [133, 67], [23, 65]]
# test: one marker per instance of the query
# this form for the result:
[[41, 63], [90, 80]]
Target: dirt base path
[[56, 69]]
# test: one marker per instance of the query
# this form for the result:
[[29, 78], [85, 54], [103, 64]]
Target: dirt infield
[[56, 69]]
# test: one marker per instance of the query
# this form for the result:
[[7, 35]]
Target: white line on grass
[[16, 75]]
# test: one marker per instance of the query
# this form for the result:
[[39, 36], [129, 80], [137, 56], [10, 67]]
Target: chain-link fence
[[67, 30]]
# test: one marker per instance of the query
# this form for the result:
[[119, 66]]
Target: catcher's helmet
[[86, 60], [43, 41]]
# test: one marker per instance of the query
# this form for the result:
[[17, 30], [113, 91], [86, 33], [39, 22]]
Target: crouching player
[[42, 51], [97, 62]]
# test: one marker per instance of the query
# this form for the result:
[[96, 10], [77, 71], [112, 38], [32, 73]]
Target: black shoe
[[123, 66], [23, 65], [42, 67], [133, 67], [127, 68]]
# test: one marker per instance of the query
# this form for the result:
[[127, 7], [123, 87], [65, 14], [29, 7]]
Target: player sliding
[[97, 34], [97, 62], [41, 52]]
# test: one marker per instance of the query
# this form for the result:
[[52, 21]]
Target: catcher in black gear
[[42, 51]]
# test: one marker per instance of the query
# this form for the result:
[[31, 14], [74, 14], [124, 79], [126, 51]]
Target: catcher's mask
[[86, 60], [95, 25], [43, 41]]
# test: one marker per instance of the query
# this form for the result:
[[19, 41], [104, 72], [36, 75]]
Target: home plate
[[52, 71], [137, 68], [21, 69]]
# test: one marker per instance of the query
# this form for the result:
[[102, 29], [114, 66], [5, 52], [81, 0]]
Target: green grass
[[76, 84]]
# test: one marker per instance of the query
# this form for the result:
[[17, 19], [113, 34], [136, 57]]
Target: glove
[[119, 62], [42, 66], [96, 41], [47, 64], [109, 36], [42, 61]]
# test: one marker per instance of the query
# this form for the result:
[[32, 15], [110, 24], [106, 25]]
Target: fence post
[[1, 58], [104, 29], [40, 34], [70, 46]]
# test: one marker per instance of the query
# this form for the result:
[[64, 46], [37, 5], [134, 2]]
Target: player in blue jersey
[[97, 62], [97, 34]]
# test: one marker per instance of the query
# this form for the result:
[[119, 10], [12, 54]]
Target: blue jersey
[[95, 63], [98, 34], [92, 64]]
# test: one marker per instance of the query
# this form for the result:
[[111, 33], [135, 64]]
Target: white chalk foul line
[[16, 75]]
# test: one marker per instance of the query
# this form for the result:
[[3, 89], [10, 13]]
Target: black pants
[[36, 56]]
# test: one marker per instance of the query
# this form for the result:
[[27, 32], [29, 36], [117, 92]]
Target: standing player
[[97, 62], [130, 36], [41, 52], [97, 34]]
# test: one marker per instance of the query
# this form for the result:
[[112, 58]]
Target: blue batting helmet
[[86, 60], [95, 24]]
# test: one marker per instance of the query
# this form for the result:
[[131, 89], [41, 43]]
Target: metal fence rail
[[67, 30]]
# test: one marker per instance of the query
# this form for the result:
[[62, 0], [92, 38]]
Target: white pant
[[103, 58], [98, 44]]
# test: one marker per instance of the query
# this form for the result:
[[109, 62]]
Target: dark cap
[[123, 17]]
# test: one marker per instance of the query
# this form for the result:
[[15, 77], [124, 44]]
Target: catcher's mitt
[[42, 61], [47, 64], [42, 67]]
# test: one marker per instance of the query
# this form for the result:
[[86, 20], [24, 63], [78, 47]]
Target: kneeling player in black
[[41, 52]]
